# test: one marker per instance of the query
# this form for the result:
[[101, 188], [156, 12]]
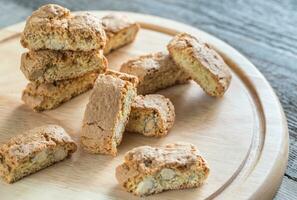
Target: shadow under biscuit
[[193, 107], [118, 192]]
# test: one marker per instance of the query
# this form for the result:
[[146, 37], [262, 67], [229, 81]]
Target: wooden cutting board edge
[[261, 175]]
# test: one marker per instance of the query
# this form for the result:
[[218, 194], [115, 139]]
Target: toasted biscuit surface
[[203, 63], [46, 66], [54, 27], [120, 30], [151, 115], [147, 170], [107, 112], [155, 72], [34, 150], [123, 76], [47, 96]]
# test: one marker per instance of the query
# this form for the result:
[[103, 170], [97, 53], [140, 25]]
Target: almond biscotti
[[120, 30], [45, 96], [107, 112], [54, 27], [46, 66], [148, 170], [155, 72], [34, 150], [203, 63], [151, 115]]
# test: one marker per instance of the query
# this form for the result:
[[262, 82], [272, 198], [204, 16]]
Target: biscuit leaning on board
[[50, 66], [201, 62], [148, 170], [151, 115], [155, 71], [34, 150], [107, 112], [56, 28], [46, 96], [120, 30]]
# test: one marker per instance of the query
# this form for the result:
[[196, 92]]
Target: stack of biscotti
[[65, 55]]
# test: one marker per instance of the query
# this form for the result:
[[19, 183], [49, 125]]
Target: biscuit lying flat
[[47, 96], [204, 64], [120, 30], [151, 115], [54, 27], [148, 170], [155, 72], [36, 149], [107, 112], [50, 66]]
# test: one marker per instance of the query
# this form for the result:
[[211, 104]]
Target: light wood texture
[[263, 31], [243, 135]]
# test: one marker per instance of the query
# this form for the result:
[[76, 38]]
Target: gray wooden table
[[264, 31]]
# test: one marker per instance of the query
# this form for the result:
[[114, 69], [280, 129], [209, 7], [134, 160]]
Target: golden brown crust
[[107, 112], [47, 96], [151, 115], [47, 66], [126, 77], [200, 60], [54, 27], [155, 72], [120, 30], [113, 23], [176, 154], [34, 148], [143, 168]]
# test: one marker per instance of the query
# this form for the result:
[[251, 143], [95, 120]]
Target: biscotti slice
[[34, 150], [151, 115], [155, 72], [107, 112], [47, 66], [120, 30], [149, 170], [203, 63], [46, 96], [54, 27]]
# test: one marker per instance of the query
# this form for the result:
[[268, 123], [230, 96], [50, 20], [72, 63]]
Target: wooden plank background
[[264, 31]]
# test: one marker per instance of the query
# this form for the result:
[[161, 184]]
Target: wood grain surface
[[254, 136], [265, 31]]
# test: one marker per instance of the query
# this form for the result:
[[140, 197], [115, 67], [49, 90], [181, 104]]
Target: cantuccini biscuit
[[54, 27], [120, 30], [147, 170], [151, 115], [50, 66], [203, 63], [45, 96], [155, 72], [34, 150], [107, 112]]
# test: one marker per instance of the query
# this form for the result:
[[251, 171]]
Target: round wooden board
[[243, 135]]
